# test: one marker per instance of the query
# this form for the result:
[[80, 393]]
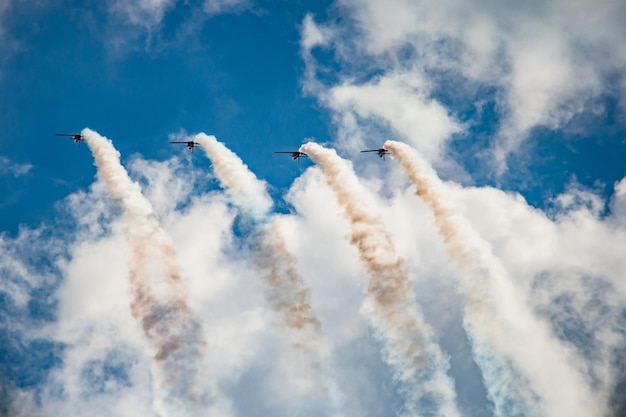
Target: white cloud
[[400, 101], [163, 183], [549, 61], [147, 14], [143, 20], [215, 7], [312, 35], [8, 167], [574, 254], [568, 265], [100, 335]]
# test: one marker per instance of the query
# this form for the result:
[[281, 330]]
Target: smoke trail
[[158, 297], [286, 291], [418, 365], [497, 317]]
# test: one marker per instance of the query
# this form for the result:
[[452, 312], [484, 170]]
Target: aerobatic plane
[[295, 155], [76, 137], [380, 152], [189, 143]]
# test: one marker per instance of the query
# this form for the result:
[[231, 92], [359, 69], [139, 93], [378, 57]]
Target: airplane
[[295, 155], [381, 152], [76, 137], [189, 143]]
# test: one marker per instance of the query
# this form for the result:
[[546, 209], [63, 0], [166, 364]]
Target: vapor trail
[[419, 367], [158, 297], [287, 293], [498, 318]]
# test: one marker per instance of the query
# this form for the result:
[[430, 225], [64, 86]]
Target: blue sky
[[519, 108], [236, 76]]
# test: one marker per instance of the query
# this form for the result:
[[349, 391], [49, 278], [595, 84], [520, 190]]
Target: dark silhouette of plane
[[380, 152], [189, 143], [295, 155], [76, 137]]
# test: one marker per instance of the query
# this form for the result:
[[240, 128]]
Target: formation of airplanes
[[190, 144], [296, 155]]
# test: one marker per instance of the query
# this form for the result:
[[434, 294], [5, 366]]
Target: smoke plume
[[245, 189], [286, 291], [499, 322], [157, 294], [419, 367]]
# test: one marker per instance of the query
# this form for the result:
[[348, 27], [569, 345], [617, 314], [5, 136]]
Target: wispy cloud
[[8, 167], [215, 7], [140, 24], [147, 14], [548, 62]]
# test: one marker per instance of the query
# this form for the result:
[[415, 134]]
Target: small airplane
[[76, 137], [295, 155], [189, 143], [381, 152]]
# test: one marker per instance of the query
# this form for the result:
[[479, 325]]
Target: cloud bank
[[540, 64], [71, 301]]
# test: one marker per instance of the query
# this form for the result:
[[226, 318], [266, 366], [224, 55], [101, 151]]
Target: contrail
[[286, 291], [419, 367], [498, 318], [158, 297]]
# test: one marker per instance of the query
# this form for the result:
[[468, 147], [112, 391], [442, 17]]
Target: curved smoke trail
[[286, 290], [158, 297], [497, 317], [419, 367]]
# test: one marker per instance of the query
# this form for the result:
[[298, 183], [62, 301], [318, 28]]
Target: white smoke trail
[[158, 297], [497, 316], [419, 367], [286, 290], [245, 189]]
